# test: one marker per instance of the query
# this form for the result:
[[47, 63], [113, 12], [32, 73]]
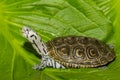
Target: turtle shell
[[79, 51]]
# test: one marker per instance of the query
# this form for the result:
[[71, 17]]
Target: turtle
[[70, 51]]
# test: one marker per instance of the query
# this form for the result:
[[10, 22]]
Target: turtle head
[[29, 34], [35, 39]]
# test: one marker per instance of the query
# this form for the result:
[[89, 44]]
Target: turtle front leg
[[47, 62], [38, 67], [42, 65]]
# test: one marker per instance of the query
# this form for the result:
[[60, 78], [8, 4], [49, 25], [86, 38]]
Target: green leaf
[[54, 18]]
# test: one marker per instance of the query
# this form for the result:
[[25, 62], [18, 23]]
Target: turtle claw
[[111, 46], [38, 67], [102, 67]]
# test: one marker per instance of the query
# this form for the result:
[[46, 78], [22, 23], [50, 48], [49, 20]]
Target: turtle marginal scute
[[111, 56], [58, 41], [70, 40], [103, 60], [95, 62]]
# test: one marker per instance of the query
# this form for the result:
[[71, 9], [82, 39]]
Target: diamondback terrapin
[[70, 51]]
